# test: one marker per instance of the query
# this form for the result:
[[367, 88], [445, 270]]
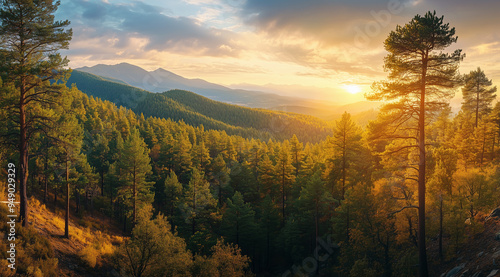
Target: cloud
[[348, 35], [322, 39], [139, 27]]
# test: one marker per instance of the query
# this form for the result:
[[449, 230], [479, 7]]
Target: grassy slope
[[97, 234]]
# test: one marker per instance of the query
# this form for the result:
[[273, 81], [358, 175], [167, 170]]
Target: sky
[[324, 49]]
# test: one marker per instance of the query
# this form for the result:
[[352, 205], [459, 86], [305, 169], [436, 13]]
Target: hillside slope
[[150, 104], [281, 124], [196, 110]]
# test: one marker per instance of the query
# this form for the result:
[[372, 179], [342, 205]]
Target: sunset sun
[[352, 89]]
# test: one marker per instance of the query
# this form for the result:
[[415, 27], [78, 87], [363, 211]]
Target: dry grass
[[91, 238]]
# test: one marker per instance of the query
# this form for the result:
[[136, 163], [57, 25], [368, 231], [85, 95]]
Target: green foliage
[[31, 67], [478, 94], [134, 167], [198, 202], [238, 222]]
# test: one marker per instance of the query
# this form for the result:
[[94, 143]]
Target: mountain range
[[161, 80]]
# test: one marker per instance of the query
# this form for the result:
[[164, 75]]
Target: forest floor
[[478, 257], [93, 239]]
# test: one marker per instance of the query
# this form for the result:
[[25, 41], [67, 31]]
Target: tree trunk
[[194, 209], [66, 223], [441, 226], [422, 252], [316, 235], [477, 103], [283, 193], [483, 146], [135, 197], [23, 159], [102, 182], [343, 163], [45, 176]]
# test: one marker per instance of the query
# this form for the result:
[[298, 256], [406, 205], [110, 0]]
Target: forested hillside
[[197, 110]]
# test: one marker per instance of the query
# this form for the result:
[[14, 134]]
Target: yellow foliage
[[58, 222], [4, 270], [89, 255]]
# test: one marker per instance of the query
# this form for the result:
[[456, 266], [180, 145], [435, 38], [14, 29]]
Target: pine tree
[[181, 156], [315, 200], [173, 193], [420, 79], [198, 201], [478, 94], [69, 136], [441, 184], [201, 156], [134, 166], [284, 174], [267, 178], [238, 221], [31, 64], [346, 145], [296, 148], [99, 157], [269, 220], [219, 176]]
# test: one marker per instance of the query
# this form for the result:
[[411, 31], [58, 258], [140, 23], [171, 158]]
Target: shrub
[[89, 256]]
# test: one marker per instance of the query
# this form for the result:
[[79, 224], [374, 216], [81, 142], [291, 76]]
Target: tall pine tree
[[420, 80], [28, 51]]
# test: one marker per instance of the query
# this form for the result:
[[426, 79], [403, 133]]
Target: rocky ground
[[480, 256]]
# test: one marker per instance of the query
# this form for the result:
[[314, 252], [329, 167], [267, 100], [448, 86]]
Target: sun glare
[[352, 89]]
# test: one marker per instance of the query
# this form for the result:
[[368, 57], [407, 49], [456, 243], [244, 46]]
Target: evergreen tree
[[69, 135], [181, 156], [269, 220], [478, 94], [315, 201], [134, 166], [441, 184], [201, 156], [296, 148], [346, 146], [219, 176], [267, 178], [173, 193], [238, 222], [30, 64], [284, 175], [198, 202], [99, 157], [420, 79]]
